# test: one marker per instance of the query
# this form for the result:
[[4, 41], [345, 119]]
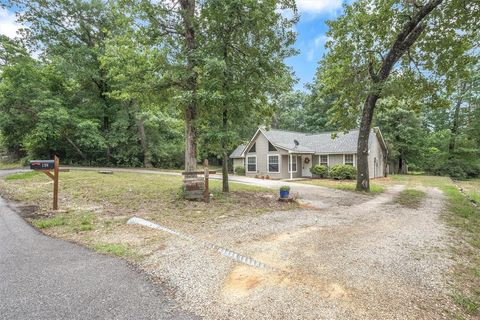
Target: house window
[[251, 164], [274, 163], [324, 160], [293, 164], [271, 147], [253, 148], [348, 159]]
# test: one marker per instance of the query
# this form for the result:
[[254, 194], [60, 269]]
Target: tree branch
[[410, 33]]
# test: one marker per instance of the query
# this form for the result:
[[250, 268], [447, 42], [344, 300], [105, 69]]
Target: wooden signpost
[[196, 187], [46, 166]]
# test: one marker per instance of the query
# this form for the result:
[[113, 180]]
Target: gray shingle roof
[[326, 142], [237, 153]]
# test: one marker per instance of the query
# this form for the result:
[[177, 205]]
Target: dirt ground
[[342, 256]]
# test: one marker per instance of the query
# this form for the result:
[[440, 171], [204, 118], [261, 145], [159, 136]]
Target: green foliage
[[458, 168], [240, 170], [22, 175], [319, 170], [243, 67], [285, 188], [77, 101], [49, 222], [343, 171], [360, 39], [304, 112], [116, 249], [467, 303]]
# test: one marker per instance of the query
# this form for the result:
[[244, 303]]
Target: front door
[[306, 165]]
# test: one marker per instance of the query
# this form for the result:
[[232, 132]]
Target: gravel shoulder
[[344, 256]]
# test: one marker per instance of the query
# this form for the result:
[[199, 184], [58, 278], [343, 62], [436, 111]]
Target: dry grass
[[472, 188], [9, 165], [347, 185], [95, 207], [465, 220], [410, 198], [460, 214]]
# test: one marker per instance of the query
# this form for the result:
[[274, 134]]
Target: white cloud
[[320, 41], [315, 45], [310, 54], [318, 6], [8, 25]]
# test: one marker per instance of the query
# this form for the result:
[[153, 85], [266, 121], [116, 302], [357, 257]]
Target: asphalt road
[[47, 278]]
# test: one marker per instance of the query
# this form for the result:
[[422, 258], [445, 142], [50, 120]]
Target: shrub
[[319, 170], [285, 188], [240, 170], [343, 171], [458, 169]]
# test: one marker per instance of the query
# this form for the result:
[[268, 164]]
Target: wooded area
[[167, 83]]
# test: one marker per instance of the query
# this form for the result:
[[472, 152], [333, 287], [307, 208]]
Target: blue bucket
[[284, 194]]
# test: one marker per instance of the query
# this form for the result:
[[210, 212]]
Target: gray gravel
[[370, 260], [46, 278]]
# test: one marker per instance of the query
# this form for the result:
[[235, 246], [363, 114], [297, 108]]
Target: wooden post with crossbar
[[46, 166]]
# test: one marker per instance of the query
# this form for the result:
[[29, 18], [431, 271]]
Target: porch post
[[290, 166]]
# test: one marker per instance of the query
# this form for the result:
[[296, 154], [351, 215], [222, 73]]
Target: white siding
[[376, 152], [238, 163], [261, 151]]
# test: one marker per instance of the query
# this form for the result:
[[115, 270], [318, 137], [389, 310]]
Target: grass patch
[[410, 198], [97, 206], [22, 175], [49, 222], [126, 194], [5, 166], [347, 185], [82, 222], [116, 249], [470, 306], [472, 188], [418, 180], [465, 215], [466, 218]]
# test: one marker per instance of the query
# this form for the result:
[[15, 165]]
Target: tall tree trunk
[[225, 187], [84, 157], [363, 178], [404, 40], [225, 86], [147, 161], [455, 123], [191, 109]]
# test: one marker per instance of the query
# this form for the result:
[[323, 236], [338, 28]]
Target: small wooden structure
[[46, 166], [196, 187]]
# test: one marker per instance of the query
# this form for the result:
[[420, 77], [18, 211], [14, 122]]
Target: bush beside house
[[240, 171], [342, 171], [319, 171]]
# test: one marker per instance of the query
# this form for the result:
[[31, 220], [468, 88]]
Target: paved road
[[46, 278]]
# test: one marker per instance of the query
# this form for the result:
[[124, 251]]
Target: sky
[[310, 29], [311, 37]]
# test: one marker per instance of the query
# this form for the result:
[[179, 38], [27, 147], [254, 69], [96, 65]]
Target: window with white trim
[[324, 160], [348, 159], [274, 163], [251, 164], [292, 166]]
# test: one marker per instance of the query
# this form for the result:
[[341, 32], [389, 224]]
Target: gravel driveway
[[346, 256]]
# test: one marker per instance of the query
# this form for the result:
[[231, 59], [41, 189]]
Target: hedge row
[[339, 171]]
